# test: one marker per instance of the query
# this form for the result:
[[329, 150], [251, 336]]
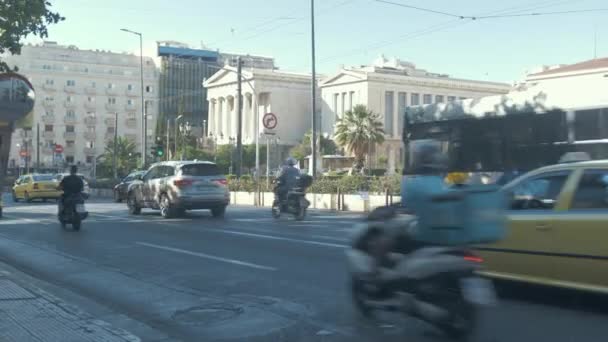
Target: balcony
[[48, 135], [47, 151], [90, 121], [132, 93], [71, 150], [70, 120], [48, 103], [48, 119], [69, 104], [109, 136], [109, 122], [90, 90], [90, 136], [69, 135], [131, 123], [131, 107], [131, 137], [112, 91], [70, 89], [48, 87], [90, 151], [90, 105], [112, 107]]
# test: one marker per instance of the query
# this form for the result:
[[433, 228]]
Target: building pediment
[[226, 75], [343, 77]]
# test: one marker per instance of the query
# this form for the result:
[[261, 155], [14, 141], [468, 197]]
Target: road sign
[[58, 148], [270, 121]]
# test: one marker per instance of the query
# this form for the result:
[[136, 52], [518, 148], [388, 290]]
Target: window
[[130, 87], [149, 89], [90, 144], [91, 114], [49, 112], [69, 143], [111, 85], [86, 70], [427, 99], [69, 159], [46, 67], [451, 98], [110, 130], [591, 124], [90, 99], [93, 84], [69, 128], [401, 104], [91, 129], [49, 98], [70, 98], [70, 114], [111, 100], [592, 191], [351, 100], [89, 159], [49, 144], [389, 112], [43, 178], [539, 192], [48, 128], [71, 83], [198, 170], [438, 98], [132, 115], [130, 102], [49, 81], [415, 100]]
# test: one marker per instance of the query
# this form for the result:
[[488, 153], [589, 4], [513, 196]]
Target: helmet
[[290, 161], [427, 157]]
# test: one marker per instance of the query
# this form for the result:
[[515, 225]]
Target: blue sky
[[349, 32]]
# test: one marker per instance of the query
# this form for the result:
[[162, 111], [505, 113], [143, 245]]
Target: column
[[228, 109], [247, 115], [391, 159], [219, 124], [211, 117], [235, 116]]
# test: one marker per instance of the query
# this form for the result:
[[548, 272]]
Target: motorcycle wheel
[[358, 296], [276, 210], [76, 221], [462, 321]]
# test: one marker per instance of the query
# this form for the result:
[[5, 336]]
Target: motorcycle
[[436, 284], [295, 201], [73, 212]]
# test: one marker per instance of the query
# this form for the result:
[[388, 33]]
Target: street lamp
[[144, 134], [185, 130], [176, 133]]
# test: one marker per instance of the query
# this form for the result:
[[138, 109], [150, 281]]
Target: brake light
[[221, 182], [35, 185], [181, 183], [473, 257]]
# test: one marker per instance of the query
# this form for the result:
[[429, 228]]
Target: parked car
[[120, 189], [176, 186], [557, 228], [87, 188], [36, 186]]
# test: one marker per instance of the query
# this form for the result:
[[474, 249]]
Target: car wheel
[[165, 207], [117, 197], [134, 208], [218, 212], [15, 199], [27, 198]]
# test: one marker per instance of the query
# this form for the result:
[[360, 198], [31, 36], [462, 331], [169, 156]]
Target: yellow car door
[[524, 254], [581, 232], [20, 186]]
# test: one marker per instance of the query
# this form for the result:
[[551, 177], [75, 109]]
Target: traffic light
[[160, 151]]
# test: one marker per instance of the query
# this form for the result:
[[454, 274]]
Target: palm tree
[[126, 155], [357, 131]]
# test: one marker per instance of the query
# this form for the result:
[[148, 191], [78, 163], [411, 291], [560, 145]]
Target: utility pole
[[239, 134], [313, 92], [167, 152], [145, 138], [38, 147], [115, 152], [268, 161]]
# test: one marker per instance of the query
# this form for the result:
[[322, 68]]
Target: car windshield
[[42, 178], [200, 170]]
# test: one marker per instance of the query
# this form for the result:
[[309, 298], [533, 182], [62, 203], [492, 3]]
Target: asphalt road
[[246, 277]]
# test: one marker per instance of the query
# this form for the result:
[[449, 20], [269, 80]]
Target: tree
[[20, 18], [304, 149], [126, 156], [357, 131]]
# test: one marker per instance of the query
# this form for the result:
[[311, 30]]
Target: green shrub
[[104, 183]]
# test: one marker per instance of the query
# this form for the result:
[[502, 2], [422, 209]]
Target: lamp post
[[144, 134], [175, 123], [232, 141], [185, 130]]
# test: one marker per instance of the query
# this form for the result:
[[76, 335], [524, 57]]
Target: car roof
[[176, 163], [561, 167]]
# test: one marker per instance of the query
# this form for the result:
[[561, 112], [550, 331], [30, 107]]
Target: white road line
[[269, 237], [207, 256]]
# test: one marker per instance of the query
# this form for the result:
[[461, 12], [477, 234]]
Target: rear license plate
[[478, 291], [80, 208]]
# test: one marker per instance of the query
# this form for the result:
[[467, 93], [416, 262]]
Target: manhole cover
[[208, 314]]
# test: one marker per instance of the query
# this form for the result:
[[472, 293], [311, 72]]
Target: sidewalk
[[28, 313]]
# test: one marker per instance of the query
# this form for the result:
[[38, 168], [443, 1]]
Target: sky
[[350, 32]]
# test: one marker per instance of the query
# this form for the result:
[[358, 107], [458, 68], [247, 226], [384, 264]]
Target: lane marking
[[207, 256], [269, 237]]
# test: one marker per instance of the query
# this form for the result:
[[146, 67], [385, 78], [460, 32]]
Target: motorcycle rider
[[287, 179], [71, 185]]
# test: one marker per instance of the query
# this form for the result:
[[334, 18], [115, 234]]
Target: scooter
[[73, 212], [295, 202], [431, 283]]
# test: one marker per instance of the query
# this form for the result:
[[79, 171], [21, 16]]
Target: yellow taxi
[[558, 228], [36, 186]]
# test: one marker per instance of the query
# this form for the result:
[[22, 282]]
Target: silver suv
[[177, 186]]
